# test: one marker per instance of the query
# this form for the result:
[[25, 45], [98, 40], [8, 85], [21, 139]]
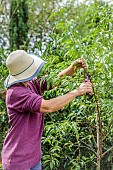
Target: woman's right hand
[[85, 87]]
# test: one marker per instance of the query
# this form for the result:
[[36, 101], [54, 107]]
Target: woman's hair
[[3, 92]]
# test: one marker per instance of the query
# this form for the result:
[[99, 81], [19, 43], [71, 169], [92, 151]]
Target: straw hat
[[22, 67]]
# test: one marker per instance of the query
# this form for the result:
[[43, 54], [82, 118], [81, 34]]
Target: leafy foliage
[[67, 44], [3, 114]]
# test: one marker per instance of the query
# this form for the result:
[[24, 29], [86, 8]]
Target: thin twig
[[106, 152], [89, 147]]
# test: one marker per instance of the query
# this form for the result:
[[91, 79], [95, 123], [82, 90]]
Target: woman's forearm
[[58, 103], [68, 71], [77, 64]]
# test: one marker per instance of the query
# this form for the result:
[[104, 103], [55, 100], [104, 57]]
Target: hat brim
[[28, 74]]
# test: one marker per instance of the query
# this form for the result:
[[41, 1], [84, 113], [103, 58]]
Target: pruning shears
[[87, 77]]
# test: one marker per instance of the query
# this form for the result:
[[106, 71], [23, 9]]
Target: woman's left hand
[[78, 64]]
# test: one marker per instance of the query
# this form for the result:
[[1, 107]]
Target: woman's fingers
[[89, 87], [80, 63]]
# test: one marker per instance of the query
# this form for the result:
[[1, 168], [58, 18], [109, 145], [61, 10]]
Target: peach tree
[[80, 135]]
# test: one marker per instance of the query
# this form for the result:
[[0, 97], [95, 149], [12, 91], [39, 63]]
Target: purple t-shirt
[[22, 145]]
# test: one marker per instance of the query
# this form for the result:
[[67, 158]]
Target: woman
[[26, 108]]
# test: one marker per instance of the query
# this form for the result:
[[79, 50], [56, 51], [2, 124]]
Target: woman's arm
[[74, 66], [52, 105]]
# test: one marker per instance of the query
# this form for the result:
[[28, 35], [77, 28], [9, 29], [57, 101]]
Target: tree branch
[[107, 152], [88, 146]]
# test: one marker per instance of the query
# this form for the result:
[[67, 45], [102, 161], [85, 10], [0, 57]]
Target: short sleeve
[[32, 102]]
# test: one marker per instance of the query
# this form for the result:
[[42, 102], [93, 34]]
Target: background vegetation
[[80, 135]]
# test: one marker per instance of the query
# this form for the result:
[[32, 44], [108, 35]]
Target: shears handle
[[86, 79]]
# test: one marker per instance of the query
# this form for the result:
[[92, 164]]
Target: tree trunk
[[18, 27], [98, 139]]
